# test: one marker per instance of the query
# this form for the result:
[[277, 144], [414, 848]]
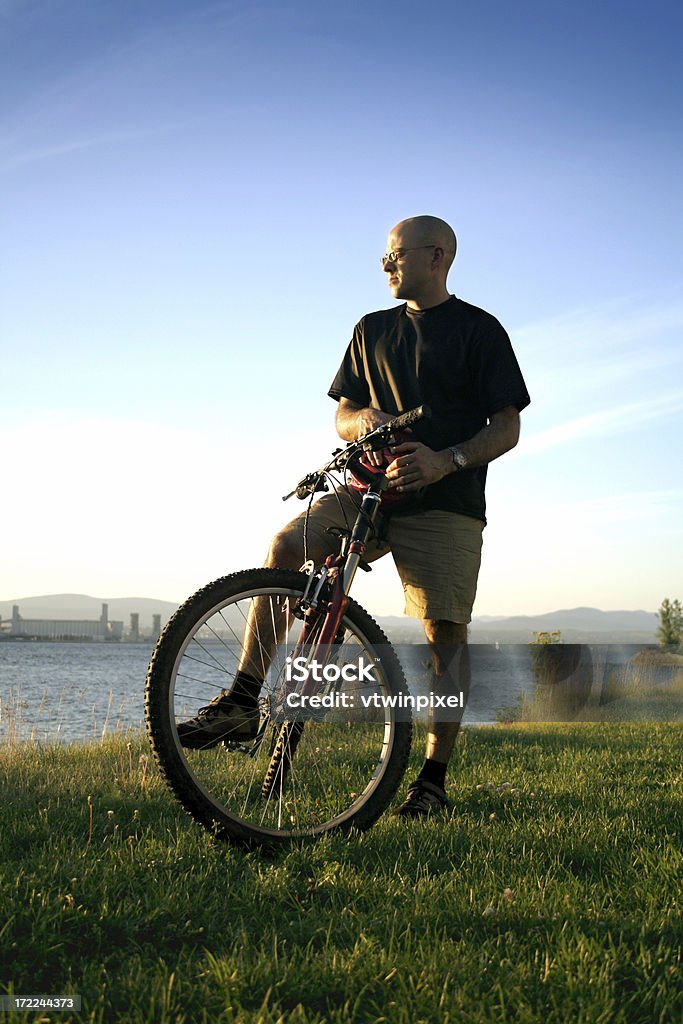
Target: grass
[[554, 898], [649, 689]]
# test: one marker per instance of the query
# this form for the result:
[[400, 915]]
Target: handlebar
[[373, 440], [406, 419]]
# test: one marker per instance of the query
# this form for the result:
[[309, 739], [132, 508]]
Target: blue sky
[[194, 198]]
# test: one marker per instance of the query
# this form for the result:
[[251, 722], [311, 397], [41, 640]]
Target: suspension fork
[[338, 572], [341, 570]]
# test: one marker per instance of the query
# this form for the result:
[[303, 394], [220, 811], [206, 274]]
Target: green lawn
[[555, 899]]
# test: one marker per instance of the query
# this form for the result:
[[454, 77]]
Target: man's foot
[[423, 799], [222, 719]]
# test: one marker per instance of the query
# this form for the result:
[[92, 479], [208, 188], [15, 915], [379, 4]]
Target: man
[[438, 350]]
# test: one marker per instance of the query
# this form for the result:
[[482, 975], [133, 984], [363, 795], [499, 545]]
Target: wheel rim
[[338, 763]]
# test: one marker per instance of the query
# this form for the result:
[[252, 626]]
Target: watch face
[[459, 460]]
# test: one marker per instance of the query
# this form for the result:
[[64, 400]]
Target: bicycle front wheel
[[297, 779]]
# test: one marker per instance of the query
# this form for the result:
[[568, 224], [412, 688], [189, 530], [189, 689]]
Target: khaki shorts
[[437, 554]]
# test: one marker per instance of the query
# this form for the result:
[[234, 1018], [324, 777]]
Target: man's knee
[[286, 550], [441, 631], [448, 645]]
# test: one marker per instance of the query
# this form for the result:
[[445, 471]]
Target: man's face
[[411, 272]]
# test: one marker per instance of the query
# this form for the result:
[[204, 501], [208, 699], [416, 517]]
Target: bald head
[[425, 230]]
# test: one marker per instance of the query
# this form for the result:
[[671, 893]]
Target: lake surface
[[71, 692], [75, 692]]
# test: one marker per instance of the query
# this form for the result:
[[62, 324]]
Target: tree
[[670, 631], [544, 638], [563, 678]]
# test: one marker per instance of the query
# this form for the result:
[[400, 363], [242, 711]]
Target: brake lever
[[310, 484]]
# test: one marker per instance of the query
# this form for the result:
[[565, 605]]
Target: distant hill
[[580, 625], [588, 625], [82, 606]]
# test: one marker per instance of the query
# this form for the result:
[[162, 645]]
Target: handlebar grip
[[406, 419]]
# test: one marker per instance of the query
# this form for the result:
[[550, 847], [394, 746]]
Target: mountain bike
[[330, 749]]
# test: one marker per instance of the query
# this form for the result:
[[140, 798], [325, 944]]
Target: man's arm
[[416, 466], [354, 420], [496, 438]]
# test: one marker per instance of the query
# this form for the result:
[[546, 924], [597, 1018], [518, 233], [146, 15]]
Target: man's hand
[[370, 419], [415, 466], [353, 421]]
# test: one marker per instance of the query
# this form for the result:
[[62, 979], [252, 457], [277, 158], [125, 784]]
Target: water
[[71, 692], [75, 692]]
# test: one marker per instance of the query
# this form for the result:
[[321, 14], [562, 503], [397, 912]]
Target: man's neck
[[427, 301]]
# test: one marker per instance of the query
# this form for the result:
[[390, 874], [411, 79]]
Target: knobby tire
[[304, 779]]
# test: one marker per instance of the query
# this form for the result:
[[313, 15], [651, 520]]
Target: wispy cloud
[[120, 82], [601, 330], [114, 138], [619, 419], [590, 349], [627, 507]]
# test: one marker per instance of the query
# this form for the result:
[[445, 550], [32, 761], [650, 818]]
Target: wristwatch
[[459, 458]]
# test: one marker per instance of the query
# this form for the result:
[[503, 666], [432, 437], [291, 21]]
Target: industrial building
[[65, 629]]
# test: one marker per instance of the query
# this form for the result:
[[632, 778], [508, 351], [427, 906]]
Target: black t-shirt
[[454, 357]]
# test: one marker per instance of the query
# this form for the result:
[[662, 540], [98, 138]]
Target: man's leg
[[438, 555], [451, 672], [234, 712], [450, 676], [286, 551]]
